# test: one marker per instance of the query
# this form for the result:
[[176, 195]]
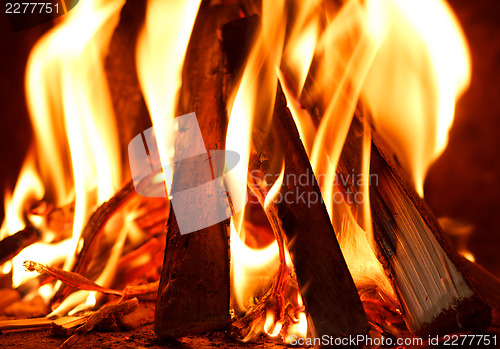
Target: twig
[[92, 230], [109, 312], [145, 291], [12, 245], [70, 278]]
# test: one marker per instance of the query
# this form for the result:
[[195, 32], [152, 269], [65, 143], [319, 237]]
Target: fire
[[29, 189], [406, 62], [159, 56], [393, 56], [424, 66], [77, 150]]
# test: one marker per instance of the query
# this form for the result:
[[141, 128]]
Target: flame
[[70, 108], [420, 70], [160, 56], [299, 328], [251, 270], [77, 154], [28, 190], [408, 63]]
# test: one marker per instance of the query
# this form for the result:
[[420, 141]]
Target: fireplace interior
[[209, 173]]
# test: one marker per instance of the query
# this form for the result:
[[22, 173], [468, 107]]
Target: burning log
[[12, 245], [128, 101], [426, 272], [145, 291], [194, 288], [326, 285]]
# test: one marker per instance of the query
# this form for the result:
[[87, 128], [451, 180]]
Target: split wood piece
[[435, 297], [194, 287], [66, 326], [144, 291], [326, 285], [91, 232], [13, 244], [143, 315], [33, 324], [121, 71], [108, 317]]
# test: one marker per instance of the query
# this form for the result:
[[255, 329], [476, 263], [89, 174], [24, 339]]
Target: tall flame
[[253, 104], [420, 70], [77, 149], [160, 55]]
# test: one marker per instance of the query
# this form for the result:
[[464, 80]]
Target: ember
[[319, 230]]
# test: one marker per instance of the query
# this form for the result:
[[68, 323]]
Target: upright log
[[193, 296]]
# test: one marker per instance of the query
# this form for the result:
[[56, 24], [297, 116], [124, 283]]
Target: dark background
[[464, 182]]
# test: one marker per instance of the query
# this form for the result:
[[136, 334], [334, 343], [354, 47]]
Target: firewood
[[327, 288], [144, 291], [128, 102], [13, 244], [144, 314], [425, 271], [67, 325], [91, 232], [194, 288], [69, 278], [39, 323], [108, 316], [25, 324]]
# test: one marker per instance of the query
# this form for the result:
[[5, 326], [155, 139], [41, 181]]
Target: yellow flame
[[253, 103], [271, 327], [71, 110], [28, 190], [420, 70], [350, 41], [251, 269], [160, 52], [299, 328]]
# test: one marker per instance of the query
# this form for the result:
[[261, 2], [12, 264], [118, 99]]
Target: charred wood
[[13, 244], [194, 288]]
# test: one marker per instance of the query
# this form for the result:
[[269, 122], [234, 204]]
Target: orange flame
[[77, 149]]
